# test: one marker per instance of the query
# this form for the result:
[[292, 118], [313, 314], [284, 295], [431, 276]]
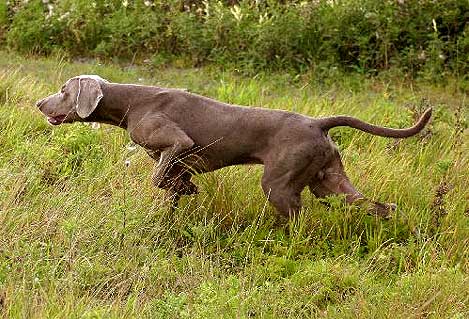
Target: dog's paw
[[189, 189], [185, 188]]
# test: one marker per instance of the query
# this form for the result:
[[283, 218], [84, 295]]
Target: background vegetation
[[419, 37]]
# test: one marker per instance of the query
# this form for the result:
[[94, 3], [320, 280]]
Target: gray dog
[[188, 133]]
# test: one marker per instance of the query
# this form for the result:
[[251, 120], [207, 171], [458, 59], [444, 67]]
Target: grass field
[[84, 236]]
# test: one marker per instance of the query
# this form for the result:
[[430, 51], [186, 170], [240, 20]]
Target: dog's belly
[[203, 160], [240, 161]]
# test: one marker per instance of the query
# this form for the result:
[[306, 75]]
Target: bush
[[422, 37]]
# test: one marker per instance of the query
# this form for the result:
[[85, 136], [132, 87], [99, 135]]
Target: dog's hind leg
[[283, 190], [286, 201], [332, 180], [286, 173]]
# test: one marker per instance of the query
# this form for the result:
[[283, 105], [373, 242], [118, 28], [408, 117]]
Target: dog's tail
[[330, 122]]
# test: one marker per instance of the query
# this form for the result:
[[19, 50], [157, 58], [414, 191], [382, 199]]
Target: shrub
[[422, 37]]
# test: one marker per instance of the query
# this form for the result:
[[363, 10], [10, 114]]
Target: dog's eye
[[62, 90]]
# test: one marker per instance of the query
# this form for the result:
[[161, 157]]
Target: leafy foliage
[[420, 37]]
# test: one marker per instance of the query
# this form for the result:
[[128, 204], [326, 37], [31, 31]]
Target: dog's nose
[[39, 103]]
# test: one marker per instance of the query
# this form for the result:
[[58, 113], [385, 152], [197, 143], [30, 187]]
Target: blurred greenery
[[423, 38]]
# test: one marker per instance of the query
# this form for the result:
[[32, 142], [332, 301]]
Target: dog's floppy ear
[[88, 96]]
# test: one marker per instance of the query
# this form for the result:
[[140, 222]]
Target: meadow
[[84, 234]]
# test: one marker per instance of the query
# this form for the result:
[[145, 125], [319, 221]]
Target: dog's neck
[[113, 108]]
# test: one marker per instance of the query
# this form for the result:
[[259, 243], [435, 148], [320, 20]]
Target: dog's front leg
[[177, 177], [165, 142], [168, 160]]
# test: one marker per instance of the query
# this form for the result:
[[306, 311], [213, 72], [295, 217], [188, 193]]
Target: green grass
[[82, 236]]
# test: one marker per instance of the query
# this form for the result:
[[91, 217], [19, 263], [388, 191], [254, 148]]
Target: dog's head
[[75, 101]]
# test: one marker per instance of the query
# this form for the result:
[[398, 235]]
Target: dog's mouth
[[56, 120]]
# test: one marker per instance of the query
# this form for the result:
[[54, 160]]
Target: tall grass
[[66, 252]]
